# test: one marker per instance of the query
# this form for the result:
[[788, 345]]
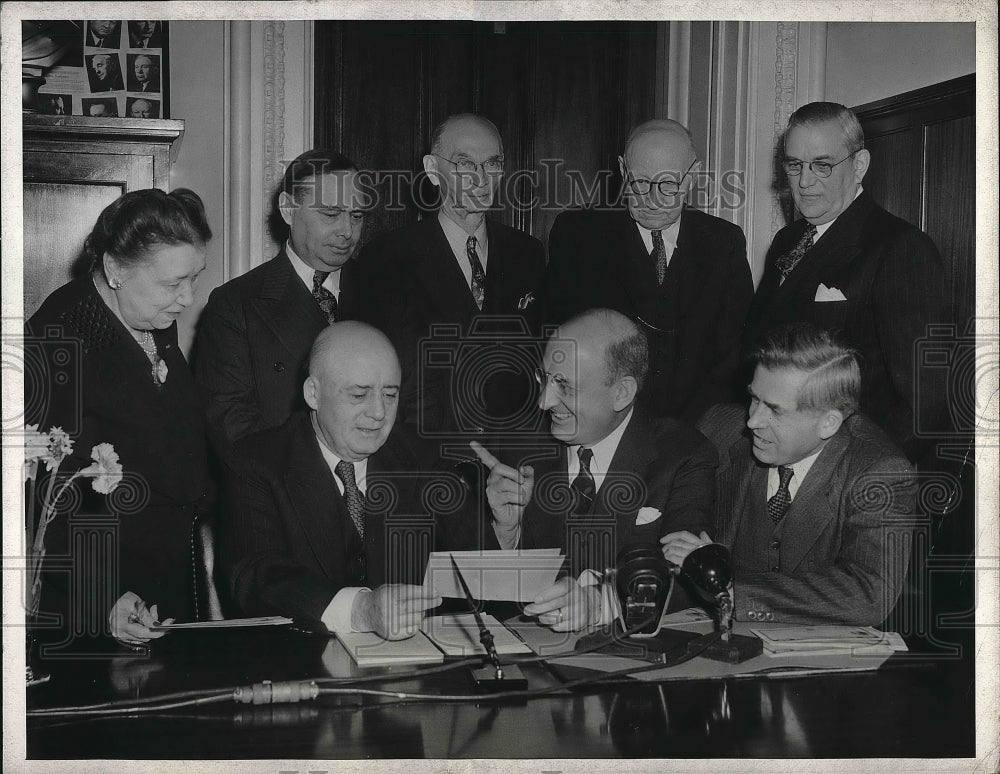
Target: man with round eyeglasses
[[680, 273], [458, 292], [850, 265]]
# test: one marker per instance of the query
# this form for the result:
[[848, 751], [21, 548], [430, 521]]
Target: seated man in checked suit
[[613, 476], [814, 500], [316, 508]]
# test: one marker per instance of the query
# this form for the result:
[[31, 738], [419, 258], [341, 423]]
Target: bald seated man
[[309, 504], [682, 274], [613, 476], [443, 286]]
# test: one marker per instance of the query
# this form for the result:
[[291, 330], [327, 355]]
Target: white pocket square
[[647, 516], [823, 293], [523, 302]]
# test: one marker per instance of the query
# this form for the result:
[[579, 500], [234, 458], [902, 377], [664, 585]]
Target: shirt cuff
[[610, 610], [508, 538], [337, 616]]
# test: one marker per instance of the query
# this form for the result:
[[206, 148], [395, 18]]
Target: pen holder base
[[485, 680], [737, 649]]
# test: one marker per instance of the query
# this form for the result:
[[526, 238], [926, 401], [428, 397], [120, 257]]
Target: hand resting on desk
[[567, 606], [392, 611]]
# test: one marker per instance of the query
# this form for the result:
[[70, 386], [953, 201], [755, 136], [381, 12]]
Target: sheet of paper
[[828, 640], [370, 650], [458, 635], [509, 576], [690, 615], [231, 623]]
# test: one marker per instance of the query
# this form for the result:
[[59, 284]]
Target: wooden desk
[[918, 708]]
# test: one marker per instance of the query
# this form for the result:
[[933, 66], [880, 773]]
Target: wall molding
[[273, 151]]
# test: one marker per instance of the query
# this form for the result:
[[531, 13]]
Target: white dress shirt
[[669, 235], [457, 238], [604, 451], [306, 272], [337, 616], [799, 470]]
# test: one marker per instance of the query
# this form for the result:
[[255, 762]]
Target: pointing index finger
[[484, 456]]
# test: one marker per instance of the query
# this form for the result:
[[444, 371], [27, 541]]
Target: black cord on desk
[[218, 696]]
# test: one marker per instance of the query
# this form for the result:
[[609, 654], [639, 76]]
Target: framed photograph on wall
[[118, 68]]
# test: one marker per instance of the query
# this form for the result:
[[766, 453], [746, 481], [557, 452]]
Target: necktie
[[777, 506], [326, 300], [659, 256], [790, 260], [478, 275], [352, 495], [584, 485]]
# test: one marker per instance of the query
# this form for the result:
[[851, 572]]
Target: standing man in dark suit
[[849, 264], [681, 273], [815, 502], [255, 332], [305, 532], [615, 475], [459, 295]]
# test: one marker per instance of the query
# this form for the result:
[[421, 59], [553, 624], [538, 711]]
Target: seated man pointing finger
[[613, 475]]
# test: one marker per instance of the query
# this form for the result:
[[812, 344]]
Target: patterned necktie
[[326, 300], [352, 495], [777, 506], [659, 256], [790, 260], [584, 485], [478, 275]]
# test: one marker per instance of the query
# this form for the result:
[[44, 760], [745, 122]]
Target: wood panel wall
[[564, 95]]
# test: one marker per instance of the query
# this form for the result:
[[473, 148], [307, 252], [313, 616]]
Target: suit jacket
[[660, 463], [892, 277], [598, 259], [842, 549], [288, 544], [416, 293], [252, 347]]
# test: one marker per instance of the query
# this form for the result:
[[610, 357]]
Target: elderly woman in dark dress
[[128, 385]]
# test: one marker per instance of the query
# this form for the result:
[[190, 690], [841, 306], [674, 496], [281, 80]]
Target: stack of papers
[[458, 635], [828, 640], [508, 576], [370, 650], [229, 623]]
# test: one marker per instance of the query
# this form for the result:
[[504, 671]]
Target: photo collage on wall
[[122, 72]]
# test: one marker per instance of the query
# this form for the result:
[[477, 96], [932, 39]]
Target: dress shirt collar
[[305, 272], [332, 458], [824, 227], [458, 236], [604, 451], [669, 235], [800, 469]]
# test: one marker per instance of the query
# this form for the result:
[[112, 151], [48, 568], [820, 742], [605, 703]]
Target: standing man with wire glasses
[[681, 274], [850, 265], [459, 295]]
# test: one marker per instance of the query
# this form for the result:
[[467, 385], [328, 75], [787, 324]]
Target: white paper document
[[231, 623], [369, 650], [508, 576], [828, 640]]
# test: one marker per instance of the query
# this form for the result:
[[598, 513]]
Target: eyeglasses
[[470, 167], [664, 187], [564, 388], [793, 167]]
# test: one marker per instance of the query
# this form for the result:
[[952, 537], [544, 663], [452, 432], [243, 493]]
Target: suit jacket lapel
[[317, 501], [285, 306], [736, 489], [442, 282], [812, 510], [634, 267], [625, 479], [541, 526]]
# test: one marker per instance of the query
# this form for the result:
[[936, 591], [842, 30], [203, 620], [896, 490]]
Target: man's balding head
[[353, 388], [660, 153], [595, 365]]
